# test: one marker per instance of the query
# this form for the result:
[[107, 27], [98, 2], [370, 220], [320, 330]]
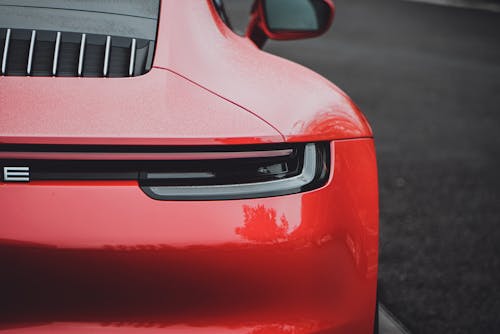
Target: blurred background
[[427, 77]]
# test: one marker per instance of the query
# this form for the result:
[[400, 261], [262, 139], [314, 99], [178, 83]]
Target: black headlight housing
[[269, 173]]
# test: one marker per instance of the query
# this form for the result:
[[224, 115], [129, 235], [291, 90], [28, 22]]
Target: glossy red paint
[[159, 108], [290, 97], [104, 257]]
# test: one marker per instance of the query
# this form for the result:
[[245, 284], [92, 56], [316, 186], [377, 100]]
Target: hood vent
[[69, 54], [73, 38]]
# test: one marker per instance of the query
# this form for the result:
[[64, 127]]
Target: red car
[[162, 174]]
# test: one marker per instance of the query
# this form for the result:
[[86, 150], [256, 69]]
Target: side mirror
[[289, 19]]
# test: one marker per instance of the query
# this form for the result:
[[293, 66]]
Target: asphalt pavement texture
[[428, 79]]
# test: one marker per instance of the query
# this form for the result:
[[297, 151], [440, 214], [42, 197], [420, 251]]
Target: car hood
[[157, 108], [302, 105]]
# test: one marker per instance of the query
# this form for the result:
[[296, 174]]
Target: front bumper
[[103, 257]]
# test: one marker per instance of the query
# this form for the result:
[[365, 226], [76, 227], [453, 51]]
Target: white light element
[[132, 58], [82, 54], [106, 56], [32, 50], [5, 51], [56, 53], [16, 174]]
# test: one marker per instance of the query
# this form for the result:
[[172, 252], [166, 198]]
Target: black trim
[[149, 172], [217, 176]]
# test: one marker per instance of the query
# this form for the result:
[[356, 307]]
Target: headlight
[[263, 174]]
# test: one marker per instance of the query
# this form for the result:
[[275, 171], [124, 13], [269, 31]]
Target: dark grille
[[72, 54]]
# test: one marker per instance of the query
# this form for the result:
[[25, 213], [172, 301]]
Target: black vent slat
[[149, 57], [45, 62], [3, 33], [44, 51], [93, 61], [69, 51], [141, 56], [42, 63], [17, 56], [120, 57]]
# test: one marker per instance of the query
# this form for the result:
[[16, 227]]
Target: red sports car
[[162, 174]]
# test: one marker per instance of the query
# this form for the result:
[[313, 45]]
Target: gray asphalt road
[[428, 79]]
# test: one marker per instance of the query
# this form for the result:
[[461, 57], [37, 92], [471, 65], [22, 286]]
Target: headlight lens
[[302, 168]]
